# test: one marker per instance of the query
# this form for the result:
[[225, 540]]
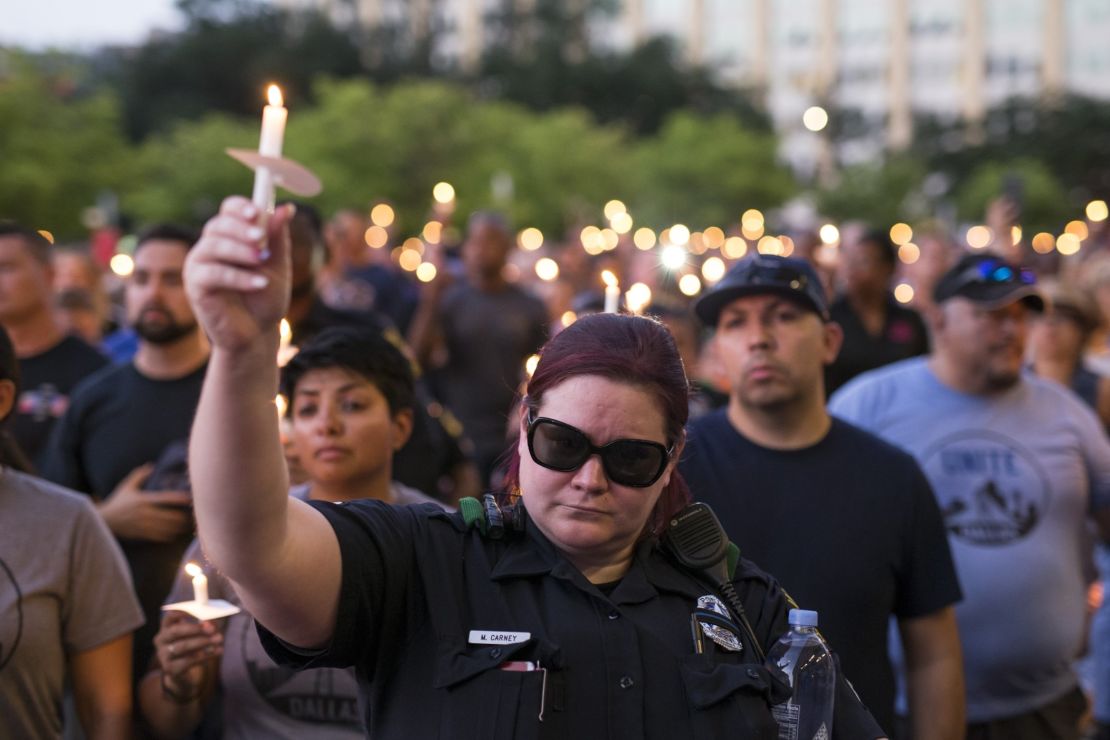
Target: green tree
[[59, 149], [1045, 203], [707, 171], [880, 193]]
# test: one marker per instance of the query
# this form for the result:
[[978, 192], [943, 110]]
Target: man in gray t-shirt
[[1016, 463]]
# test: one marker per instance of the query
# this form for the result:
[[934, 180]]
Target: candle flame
[[608, 277], [193, 569], [273, 94], [286, 331]]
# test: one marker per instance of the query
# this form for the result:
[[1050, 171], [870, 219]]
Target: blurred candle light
[[568, 318], [637, 298], [1097, 211], [48, 236], [1078, 228], [735, 248], [903, 293], [680, 235], [382, 215], [690, 285], [1043, 243], [122, 264], [426, 272], [613, 208], [443, 193], [621, 223], [1067, 244], [909, 253], [547, 269], [530, 239], [713, 269], [644, 238], [900, 233], [979, 237], [530, 364], [432, 232], [673, 257], [714, 237], [829, 234], [1015, 234], [200, 583], [612, 291]]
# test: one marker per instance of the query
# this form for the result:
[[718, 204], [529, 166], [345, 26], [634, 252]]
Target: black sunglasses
[[629, 462]]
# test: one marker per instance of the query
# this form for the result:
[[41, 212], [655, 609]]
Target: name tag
[[493, 637]]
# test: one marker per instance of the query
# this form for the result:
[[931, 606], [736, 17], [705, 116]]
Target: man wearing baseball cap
[[1017, 463], [844, 521]]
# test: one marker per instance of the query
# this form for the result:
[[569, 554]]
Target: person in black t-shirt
[[123, 439], [50, 363], [846, 522], [877, 329]]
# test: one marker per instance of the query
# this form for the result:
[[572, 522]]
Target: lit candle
[[612, 291], [269, 144], [286, 350], [200, 583]]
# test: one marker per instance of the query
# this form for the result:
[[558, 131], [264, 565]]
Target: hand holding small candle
[[200, 583]]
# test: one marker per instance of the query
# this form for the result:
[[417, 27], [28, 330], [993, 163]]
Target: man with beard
[[123, 438], [844, 521], [1017, 464]]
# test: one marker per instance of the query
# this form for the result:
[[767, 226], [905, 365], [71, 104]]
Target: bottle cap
[[802, 618]]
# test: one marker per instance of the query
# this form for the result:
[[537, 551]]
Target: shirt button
[[495, 653], [626, 682], [614, 614]]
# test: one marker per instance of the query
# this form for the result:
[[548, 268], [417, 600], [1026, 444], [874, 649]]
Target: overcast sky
[[82, 23]]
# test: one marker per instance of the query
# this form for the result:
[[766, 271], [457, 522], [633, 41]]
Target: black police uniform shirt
[[422, 594], [849, 527], [903, 336]]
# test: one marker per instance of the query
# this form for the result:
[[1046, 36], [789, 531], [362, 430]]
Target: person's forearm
[[169, 719], [238, 472], [109, 726], [935, 692]]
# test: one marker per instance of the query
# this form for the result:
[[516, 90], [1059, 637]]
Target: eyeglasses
[[629, 462], [995, 271]]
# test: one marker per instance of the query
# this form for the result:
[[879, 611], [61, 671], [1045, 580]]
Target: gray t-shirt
[[64, 589], [263, 699], [1015, 474]]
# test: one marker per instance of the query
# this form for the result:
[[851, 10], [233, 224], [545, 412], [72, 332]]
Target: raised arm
[[282, 555]]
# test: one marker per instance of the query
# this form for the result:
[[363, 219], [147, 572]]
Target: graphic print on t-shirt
[[11, 614], [304, 696], [991, 490]]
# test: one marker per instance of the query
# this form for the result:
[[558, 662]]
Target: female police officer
[[559, 617]]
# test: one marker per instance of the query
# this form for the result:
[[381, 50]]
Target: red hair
[[627, 349]]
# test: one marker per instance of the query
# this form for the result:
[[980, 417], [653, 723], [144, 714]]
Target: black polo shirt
[[417, 584]]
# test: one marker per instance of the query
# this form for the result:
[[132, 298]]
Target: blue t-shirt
[[1015, 475]]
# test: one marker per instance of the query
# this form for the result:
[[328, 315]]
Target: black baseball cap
[[765, 273], [989, 281]]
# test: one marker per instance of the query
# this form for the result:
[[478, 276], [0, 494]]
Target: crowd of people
[[275, 400]]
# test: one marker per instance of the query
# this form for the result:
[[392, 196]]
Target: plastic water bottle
[[805, 659]]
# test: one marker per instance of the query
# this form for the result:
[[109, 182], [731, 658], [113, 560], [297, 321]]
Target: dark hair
[[361, 350], [627, 349], [883, 244], [37, 245], [167, 232], [11, 455], [309, 216]]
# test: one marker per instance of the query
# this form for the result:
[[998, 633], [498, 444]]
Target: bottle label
[[787, 714]]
